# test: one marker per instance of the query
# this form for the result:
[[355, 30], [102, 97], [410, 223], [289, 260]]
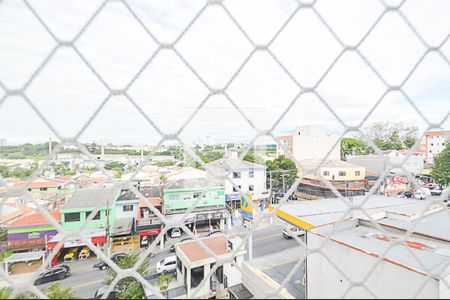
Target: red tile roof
[[154, 201], [35, 218], [195, 252], [21, 209], [285, 137], [437, 133], [36, 184], [64, 177]]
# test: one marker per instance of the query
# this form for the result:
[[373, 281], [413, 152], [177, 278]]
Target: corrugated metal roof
[[92, 198]]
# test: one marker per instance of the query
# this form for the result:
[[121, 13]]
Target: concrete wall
[[261, 285], [315, 144], [386, 280]]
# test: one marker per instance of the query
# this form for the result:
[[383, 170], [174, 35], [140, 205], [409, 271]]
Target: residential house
[[286, 141], [347, 178], [84, 201], [79, 207], [207, 197], [249, 177], [40, 185], [149, 225]]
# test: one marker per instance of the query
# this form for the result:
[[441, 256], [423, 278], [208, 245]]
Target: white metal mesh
[[214, 89]]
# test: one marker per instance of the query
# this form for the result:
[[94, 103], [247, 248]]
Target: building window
[[72, 217], [357, 173], [197, 275], [236, 174], [235, 189], [97, 216], [126, 208], [42, 189], [326, 173], [342, 173], [251, 174], [173, 197], [431, 144], [251, 187]]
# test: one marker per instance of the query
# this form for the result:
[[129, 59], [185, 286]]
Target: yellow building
[[347, 178]]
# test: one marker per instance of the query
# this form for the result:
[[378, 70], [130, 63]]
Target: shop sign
[[150, 232], [34, 235]]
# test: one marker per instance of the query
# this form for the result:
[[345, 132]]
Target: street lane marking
[[87, 283]]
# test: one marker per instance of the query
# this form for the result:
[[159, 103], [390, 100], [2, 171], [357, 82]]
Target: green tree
[[164, 281], [114, 165], [353, 146], [441, 169], [279, 168], [55, 291], [392, 136], [131, 288]]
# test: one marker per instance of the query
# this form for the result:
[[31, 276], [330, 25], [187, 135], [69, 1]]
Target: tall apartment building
[[435, 142], [286, 141]]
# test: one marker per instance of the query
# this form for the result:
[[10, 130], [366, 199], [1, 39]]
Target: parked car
[[436, 191], [431, 185], [290, 231], [168, 264], [70, 256], [84, 253], [422, 193], [115, 258], [176, 232], [112, 295], [52, 274], [406, 194]]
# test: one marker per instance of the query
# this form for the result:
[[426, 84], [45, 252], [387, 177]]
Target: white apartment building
[[248, 176], [314, 142], [435, 142]]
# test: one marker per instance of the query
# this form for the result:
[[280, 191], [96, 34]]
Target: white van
[[168, 264]]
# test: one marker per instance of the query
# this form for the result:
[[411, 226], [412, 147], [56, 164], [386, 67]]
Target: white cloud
[[67, 92]]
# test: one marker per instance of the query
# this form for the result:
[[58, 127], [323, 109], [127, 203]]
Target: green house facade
[[78, 208], [183, 194]]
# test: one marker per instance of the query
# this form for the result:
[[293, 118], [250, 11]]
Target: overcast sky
[[67, 93]]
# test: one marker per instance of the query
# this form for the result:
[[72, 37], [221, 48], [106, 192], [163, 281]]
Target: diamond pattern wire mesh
[[213, 90]]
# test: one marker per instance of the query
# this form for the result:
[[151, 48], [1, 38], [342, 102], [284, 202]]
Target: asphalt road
[[85, 280]]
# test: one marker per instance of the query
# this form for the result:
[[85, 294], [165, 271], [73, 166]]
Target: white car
[[168, 264], [176, 232], [422, 193], [289, 232]]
